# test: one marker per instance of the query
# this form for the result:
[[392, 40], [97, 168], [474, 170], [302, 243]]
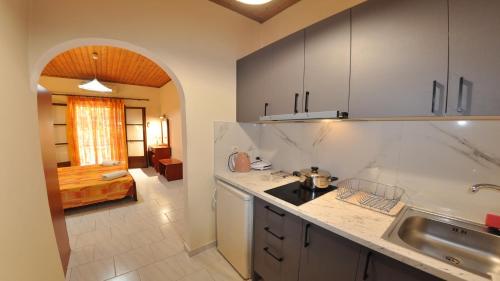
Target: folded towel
[[114, 175], [110, 163]]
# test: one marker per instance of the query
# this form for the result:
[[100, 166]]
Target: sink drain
[[453, 260]]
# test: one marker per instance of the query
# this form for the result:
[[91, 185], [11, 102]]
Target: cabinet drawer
[[277, 241], [267, 261], [270, 216]]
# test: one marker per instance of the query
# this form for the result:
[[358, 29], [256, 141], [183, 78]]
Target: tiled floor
[[139, 241]]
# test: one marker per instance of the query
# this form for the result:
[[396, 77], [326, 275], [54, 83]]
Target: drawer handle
[[268, 230], [306, 107], [306, 236], [460, 95], [266, 249], [295, 110], [365, 272], [273, 211], [434, 86]]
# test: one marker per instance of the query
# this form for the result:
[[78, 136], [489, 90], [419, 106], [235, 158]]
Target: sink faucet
[[476, 187]]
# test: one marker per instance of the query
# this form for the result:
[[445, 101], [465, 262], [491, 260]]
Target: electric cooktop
[[295, 194]]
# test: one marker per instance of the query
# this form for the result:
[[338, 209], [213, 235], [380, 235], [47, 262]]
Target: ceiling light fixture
[[254, 2], [94, 85]]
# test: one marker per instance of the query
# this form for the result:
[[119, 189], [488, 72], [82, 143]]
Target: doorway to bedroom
[[111, 135]]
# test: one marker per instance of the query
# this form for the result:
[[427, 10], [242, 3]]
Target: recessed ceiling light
[[254, 2]]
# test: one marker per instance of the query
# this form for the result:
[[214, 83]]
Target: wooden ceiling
[[115, 65], [260, 13]]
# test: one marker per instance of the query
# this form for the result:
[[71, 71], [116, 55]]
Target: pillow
[[114, 175], [108, 163]]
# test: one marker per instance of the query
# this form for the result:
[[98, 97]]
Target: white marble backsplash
[[435, 162]]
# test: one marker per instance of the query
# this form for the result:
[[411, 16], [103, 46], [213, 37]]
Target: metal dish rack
[[376, 196]]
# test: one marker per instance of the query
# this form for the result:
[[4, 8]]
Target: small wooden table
[[155, 153], [170, 169]]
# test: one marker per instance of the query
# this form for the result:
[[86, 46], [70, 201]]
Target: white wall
[[436, 162], [28, 249], [198, 41], [171, 107]]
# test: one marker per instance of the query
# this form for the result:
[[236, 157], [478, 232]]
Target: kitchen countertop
[[360, 225]]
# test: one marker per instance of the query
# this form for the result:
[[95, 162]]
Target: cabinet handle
[[268, 230], [306, 107], [265, 108], [295, 110], [460, 95], [434, 86], [365, 271], [266, 249], [273, 211], [306, 236]]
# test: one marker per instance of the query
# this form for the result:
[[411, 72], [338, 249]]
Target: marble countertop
[[353, 222]]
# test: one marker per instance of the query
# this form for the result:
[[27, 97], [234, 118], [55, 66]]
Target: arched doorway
[[45, 60]]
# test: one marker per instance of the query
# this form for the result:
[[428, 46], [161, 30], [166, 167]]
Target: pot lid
[[314, 172]]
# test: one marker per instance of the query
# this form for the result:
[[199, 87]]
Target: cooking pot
[[314, 178]]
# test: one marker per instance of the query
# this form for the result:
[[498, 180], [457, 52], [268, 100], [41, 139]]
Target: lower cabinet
[[287, 248], [327, 256], [378, 267], [277, 243]]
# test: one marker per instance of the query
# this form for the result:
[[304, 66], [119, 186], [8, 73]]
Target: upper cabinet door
[[327, 63], [399, 48], [286, 79], [474, 87], [252, 76]]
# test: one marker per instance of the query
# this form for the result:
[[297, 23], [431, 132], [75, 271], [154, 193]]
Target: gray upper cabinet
[[252, 77], [286, 77], [474, 46], [272, 75], [399, 48], [327, 64]]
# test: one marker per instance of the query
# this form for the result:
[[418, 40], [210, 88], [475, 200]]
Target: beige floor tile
[[133, 260], [202, 275], [80, 227], [111, 231], [170, 269], [92, 238], [146, 237], [222, 271], [95, 271], [131, 276], [81, 256], [168, 247], [118, 244], [176, 215], [216, 265], [68, 274]]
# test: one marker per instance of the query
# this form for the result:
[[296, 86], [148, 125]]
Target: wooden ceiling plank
[[114, 65]]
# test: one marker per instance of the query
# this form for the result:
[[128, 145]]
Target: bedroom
[[118, 150]]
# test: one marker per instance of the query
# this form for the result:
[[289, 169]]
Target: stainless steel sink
[[459, 243]]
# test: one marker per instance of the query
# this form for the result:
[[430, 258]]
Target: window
[[96, 130]]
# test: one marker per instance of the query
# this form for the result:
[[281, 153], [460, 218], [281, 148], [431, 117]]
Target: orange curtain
[[96, 130]]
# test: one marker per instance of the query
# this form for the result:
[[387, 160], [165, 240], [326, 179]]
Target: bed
[[83, 185]]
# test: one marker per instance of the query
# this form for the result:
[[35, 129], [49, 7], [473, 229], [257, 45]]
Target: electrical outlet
[[235, 148]]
